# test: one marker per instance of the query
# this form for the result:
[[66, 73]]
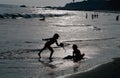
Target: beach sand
[[109, 70], [26, 63]]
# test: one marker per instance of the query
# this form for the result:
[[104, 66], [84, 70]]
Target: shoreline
[[108, 70]]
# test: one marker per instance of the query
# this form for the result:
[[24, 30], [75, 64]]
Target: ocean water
[[97, 37]]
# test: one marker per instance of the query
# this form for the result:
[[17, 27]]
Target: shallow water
[[98, 38]]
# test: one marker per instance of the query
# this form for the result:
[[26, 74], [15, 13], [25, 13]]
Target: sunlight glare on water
[[20, 39], [47, 11]]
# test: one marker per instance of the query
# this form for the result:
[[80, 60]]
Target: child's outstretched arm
[[57, 43], [46, 39]]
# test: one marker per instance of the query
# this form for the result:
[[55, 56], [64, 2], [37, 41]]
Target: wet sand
[[109, 70], [25, 63]]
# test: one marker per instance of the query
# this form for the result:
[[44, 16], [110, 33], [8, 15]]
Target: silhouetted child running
[[77, 56], [48, 44]]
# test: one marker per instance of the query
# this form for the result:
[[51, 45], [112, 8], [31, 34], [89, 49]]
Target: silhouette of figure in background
[[86, 15], [43, 18], [77, 56], [48, 44], [92, 16], [117, 18]]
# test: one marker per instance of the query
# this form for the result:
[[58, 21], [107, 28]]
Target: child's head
[[74, 47], [56, 36]]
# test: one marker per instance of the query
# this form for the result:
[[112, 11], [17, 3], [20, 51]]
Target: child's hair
[[56, 35], [74, 46]]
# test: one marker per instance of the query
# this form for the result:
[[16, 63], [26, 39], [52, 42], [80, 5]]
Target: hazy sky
[[38, 2]]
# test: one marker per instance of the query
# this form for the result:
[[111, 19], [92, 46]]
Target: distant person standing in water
[[117, 18], [48, 44], [43, 18], [86, 15]]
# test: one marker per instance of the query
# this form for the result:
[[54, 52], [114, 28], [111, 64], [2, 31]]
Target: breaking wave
[[91, 39], [18, 15]]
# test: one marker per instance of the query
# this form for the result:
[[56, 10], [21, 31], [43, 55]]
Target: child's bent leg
[[41, 51], [52, 51]]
